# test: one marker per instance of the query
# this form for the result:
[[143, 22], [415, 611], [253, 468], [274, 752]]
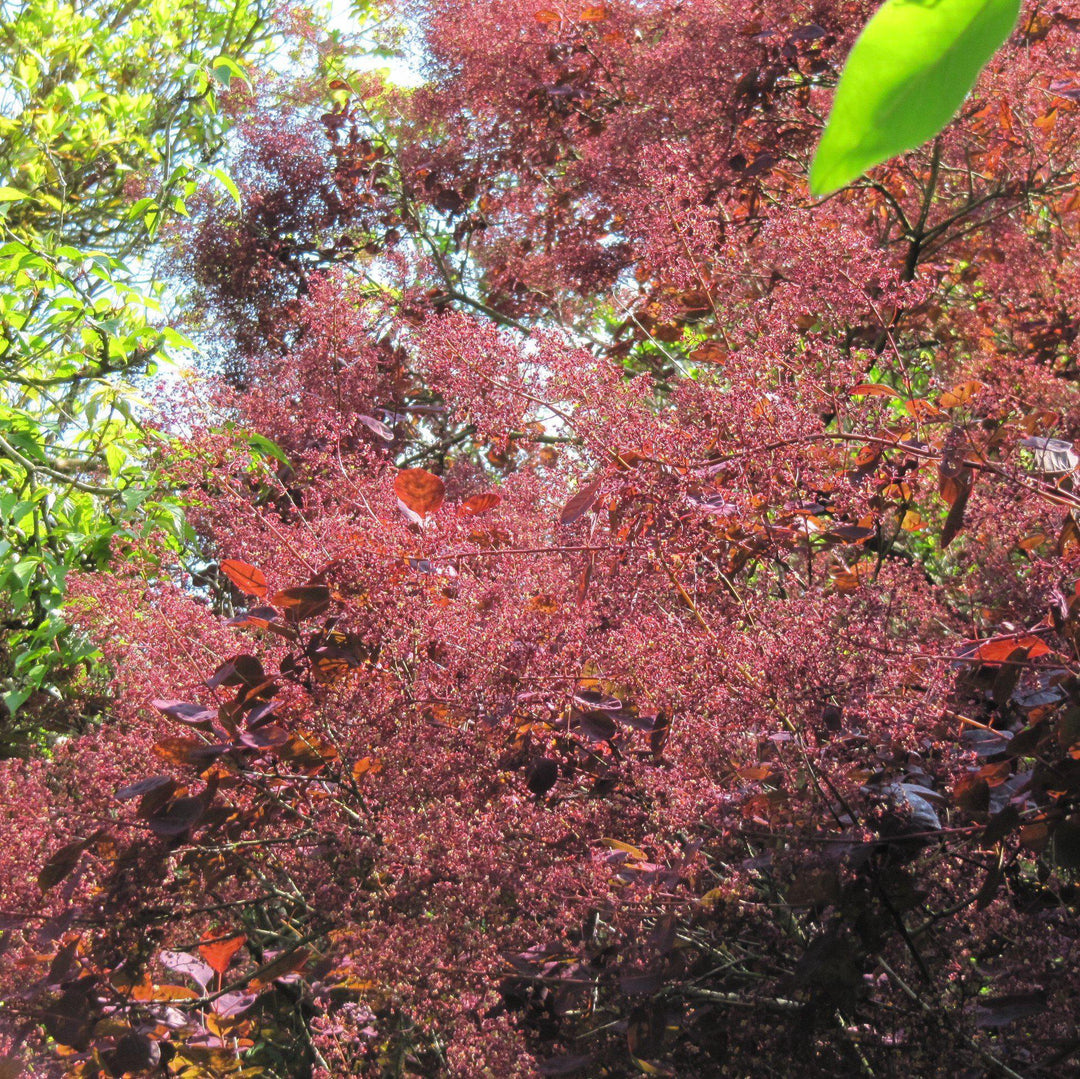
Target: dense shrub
[[642, 633]]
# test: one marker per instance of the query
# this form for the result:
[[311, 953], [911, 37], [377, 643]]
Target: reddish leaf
[[219, 952], [972, 793], [247, 578], [1000, 651], [259, 617], [477, 504], [189, 752], [419, 491], [873, 389], [581, 503], [241, 670], [306, 601]]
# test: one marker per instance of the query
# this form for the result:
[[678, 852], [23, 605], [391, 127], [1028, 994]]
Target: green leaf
[[225, 69], [265, 448], [11, 194], [228, 183], [15, 699], [906, 76]]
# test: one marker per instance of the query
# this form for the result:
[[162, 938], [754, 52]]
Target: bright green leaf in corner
[[907, 74]]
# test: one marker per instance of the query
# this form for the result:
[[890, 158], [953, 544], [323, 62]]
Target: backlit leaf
[[247, 578], [419, 491], [477, 504], [906, 76], [219, 951], [960, 395]]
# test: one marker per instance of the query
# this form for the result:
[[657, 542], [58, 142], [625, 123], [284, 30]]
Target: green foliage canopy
[[109, 119]]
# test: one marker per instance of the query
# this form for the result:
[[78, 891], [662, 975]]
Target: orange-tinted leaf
[[419, 490], [544, 603], [756, 773], [867, 456], [1046, 123], [848, 580], [594, 14], [873, 389], [367, 766], [219, 952], [1070, 535], [548, 18], [189, 752], [999, 651], [921, 409], [247, 578], [286, 963], [307, 751], [145, 993], [961, 394], [474, 505], [583, 581], [628, 459]]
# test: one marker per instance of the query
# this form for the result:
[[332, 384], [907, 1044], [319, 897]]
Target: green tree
[[110, 119]]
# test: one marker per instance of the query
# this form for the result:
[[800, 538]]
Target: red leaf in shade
[[306, 601], [580, 504], [999, 651]]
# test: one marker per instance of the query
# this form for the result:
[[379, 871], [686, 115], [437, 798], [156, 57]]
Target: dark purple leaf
[[564, 1065], [543, 772], [194, 715], [144, 786], [995, 1012]]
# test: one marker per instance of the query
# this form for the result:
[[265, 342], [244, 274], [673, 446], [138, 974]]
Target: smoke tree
[[643, 630]]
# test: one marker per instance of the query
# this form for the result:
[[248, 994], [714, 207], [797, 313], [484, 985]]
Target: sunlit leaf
[[419, 491], [906, 76]]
